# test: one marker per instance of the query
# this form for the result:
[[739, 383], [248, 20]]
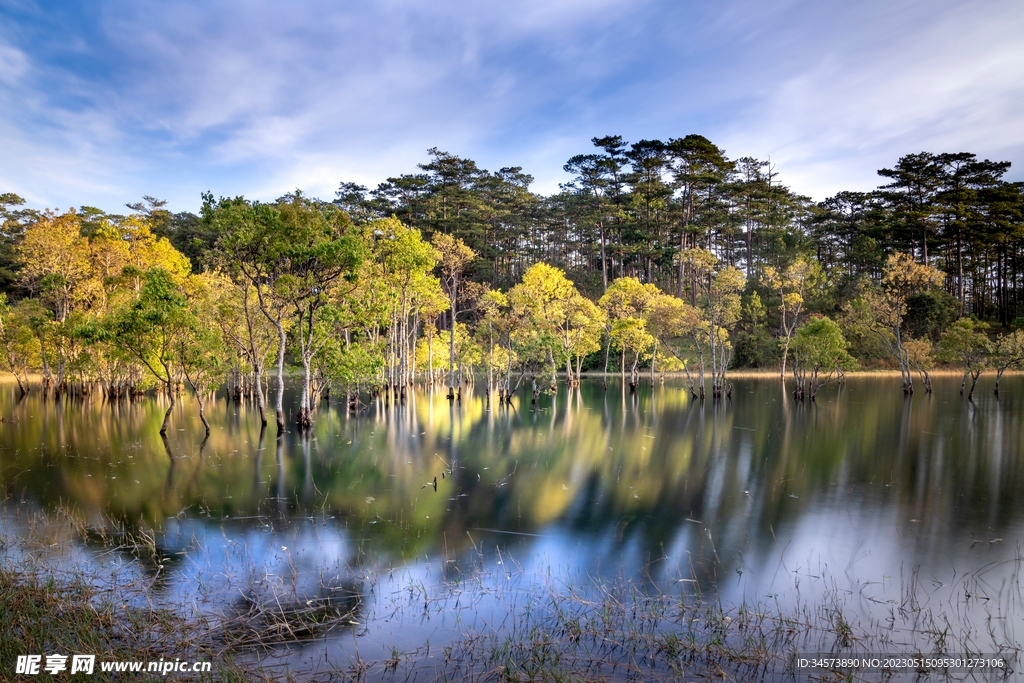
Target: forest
[[655, 257]]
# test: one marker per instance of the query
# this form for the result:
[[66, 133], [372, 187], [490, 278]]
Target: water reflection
[[741, 495]]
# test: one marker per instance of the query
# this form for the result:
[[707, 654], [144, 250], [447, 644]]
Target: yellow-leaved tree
[[562, 324], [791, 285], [56, 268], [627, 303], [884, 308]]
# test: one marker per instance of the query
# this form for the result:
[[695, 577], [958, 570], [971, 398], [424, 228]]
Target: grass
[[609, 632], [551, 626], [47, 609], [45, 615], [265, 621]]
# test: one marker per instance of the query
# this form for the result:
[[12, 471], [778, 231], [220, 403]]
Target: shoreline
[[740, 373]]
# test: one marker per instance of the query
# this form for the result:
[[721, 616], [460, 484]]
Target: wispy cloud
[[889, 83], [102, 102]]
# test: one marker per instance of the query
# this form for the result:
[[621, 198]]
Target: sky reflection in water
[[760, 498]]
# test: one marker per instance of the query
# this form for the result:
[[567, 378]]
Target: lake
[[437, 520]]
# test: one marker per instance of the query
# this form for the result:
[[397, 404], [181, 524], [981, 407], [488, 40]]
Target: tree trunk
[[260, 399], [604, 262], [430, 356], [47, 375], [451, 352], [974, 381], [654, 356], [607, 351], [282, 340], [170, 408], [202, 413], [304, 420], [785, 353]]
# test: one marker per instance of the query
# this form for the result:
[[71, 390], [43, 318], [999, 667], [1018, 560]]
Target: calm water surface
[[863, 497]]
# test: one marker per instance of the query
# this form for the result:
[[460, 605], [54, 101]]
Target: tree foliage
[[655, 255]]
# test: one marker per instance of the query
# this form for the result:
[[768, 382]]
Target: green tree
[[454, 206], [649, 204], [594, 211], [884, 308], [152, 329], [920, 355], [627, 304], [493, 332], [252, 249], [20, 348], [248, 236], [958, 205], [1008, 354], [13, 221], [966, 343], [295, 254], [562, 322], [671, 321], [56, 268], [245, 330], [200, 350], [454, 257], [700, 174], [755, 346], [317, 260], [612, 166], [581, 326], [630, 335], [819, 354], [791, 285], [402, 265], [721, 306], [915, 182]]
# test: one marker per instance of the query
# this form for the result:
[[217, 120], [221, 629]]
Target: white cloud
[[13, 64], [261, 98], [949, 82]]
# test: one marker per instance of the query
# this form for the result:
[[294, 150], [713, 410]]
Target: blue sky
[[102, 101]]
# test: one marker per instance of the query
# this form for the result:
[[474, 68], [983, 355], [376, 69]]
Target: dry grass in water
[[537, 627]]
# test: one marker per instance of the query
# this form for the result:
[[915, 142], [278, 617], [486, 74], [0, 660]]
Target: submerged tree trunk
[[451, 354], [202, 414], [975, 374], [785, 353], [689, 380], [199, 400], [304, 420], [607, 351], [282, 340], [47, 374], [634, 375], [260, 398], [654, 356], [430, 355], [926, 378], [167, 416]]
